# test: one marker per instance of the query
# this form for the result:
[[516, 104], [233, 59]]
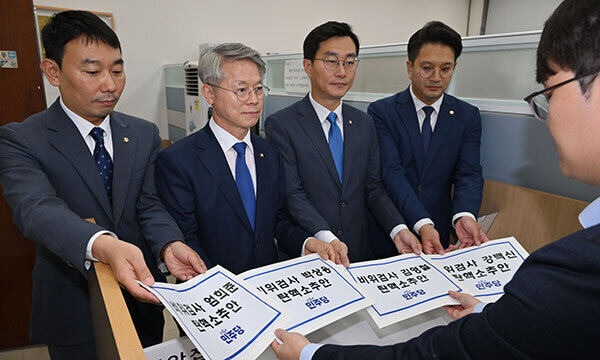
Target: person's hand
[[469, 232], [292, 346], [324, 249], [182, 262], [467, 303], [341, 252], [430, 240], [407, 243], [127, 263]]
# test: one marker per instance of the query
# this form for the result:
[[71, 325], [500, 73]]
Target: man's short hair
[[210, 64], [571, 41], [68, 25], [434, 32], [325, 32]]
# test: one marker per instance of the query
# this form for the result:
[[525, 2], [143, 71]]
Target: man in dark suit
[[80, 160], [550, 309], [224, 185], [430, 142], [331, 154]]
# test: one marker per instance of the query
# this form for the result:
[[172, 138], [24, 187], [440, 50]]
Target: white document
[[223, 316], [317, 292], [408, 285]]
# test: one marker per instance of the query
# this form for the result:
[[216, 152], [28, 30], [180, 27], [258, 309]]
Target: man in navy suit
[[430, 142], [550, 309], [81, 160], [331, 154], [223, 184]]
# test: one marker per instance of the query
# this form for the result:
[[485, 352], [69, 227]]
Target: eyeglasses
[[445, 71], [243, 94], [331, 62], [539, 101]]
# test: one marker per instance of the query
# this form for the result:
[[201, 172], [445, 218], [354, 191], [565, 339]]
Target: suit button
[[339, 233], [343, 204], [420, 187], [256, 245]]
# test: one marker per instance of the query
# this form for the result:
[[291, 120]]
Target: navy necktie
[[243, 180], [336, 144], [103, 161], [426, 131]]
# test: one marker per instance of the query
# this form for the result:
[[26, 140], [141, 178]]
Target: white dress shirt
[[433, 121], [85, 127], [226, 141]]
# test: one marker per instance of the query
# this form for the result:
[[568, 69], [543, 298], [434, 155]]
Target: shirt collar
[[590, 216], [82, 124], [226, 140], [322, 111], [419, 104]]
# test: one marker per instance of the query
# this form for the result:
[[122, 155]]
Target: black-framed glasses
[[243, 93], [539, 101], [331, 62], [446, 71]]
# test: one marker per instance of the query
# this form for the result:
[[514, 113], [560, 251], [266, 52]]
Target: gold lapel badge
[[451, 112], [262, 155], [126, 139], [350, 122]]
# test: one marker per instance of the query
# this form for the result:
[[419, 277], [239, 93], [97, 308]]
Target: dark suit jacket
[[550, 310], [316, 198], [420, 184], [198, 189], [50, 179]]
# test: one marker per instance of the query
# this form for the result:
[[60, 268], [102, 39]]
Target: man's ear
[[209, 93], [51, 70], [409, 68], [307, 67]]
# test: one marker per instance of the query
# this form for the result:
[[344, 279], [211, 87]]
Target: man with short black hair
[[550, 309], [430, 144], [79, 160], [331, 155]]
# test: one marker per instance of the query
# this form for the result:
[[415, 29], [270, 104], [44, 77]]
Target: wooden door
[[22, 94]]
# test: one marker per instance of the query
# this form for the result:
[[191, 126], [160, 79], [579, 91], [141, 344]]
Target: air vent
[[190, 69]]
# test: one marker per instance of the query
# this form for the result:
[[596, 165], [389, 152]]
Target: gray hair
[[210, 64]]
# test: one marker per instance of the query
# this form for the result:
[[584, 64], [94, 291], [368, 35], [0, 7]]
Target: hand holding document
[[407, 285]]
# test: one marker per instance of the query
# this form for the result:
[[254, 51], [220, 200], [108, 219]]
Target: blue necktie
[[103, 161], [243, 180], [336, 144], [426, 131]]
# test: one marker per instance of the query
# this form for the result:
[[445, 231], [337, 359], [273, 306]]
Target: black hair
[[434, 32], [325, 32], [571, 41], [68, 25]]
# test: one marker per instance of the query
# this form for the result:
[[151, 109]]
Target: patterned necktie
[[103, 161], [426, 131], [336, 144], [243, 180]]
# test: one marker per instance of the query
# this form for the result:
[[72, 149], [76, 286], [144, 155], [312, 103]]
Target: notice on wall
[[408, 285], [8, 59], [295, 78], [316, 291], [223, 316]]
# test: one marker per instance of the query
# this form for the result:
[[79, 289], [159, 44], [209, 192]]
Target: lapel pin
[[262, 155], [451, 112], [126, 139], [350, 122]]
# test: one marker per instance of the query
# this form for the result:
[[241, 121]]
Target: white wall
[[518, 15], [158, 32]]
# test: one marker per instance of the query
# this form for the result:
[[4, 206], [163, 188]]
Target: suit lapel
[[312, 126], [407, 114], [351, 134], [124, 150], [213, 158], [261, 184], [65, 137], [442, 127]]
